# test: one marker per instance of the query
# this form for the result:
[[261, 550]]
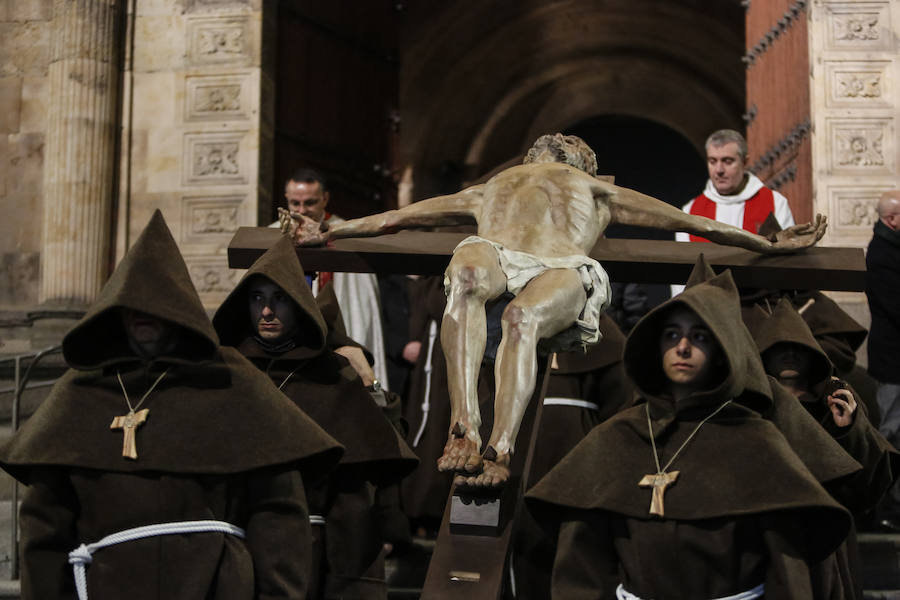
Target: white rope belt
[[316, 520], [82, 556], [553, 401], [757, 592], [426, 401]]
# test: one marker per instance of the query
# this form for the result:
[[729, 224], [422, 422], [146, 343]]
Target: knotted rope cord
[[82, 556]]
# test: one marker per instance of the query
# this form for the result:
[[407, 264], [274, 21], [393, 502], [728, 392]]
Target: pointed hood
[[280, 265], [714, 298], [152, 278], [839, 334], [785, 325], [337, 336]]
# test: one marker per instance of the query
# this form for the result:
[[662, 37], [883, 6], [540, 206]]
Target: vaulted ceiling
[[480, 80]]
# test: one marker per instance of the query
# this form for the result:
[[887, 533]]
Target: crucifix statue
[[129, 424], [536, 223]]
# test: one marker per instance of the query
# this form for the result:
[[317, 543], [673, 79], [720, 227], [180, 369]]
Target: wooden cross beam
[[633, 261]]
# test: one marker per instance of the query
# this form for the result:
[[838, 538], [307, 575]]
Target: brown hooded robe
[[726, 527], [348, 561], [861, 492], [220, 442]]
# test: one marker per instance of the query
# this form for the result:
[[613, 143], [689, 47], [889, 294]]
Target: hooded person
[[272, 318], [839, 336], [673, 498], [175, 444], [792, 355]]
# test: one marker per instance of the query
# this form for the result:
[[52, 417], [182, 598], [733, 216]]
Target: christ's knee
[[519, 324], [469, 283]]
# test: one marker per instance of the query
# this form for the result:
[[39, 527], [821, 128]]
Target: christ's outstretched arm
[[633, 208], [461, 208]]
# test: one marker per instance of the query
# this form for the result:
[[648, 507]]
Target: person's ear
[[325, 198]]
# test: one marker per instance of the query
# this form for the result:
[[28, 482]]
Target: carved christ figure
[[536, 223]]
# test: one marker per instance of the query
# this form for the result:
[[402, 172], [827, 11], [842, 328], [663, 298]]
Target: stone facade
[[855, 71], [196, 125], [24, 59]]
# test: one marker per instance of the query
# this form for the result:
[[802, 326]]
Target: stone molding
[[211, 219], [214, 159], [858, 25], [861, 145], [219, 40], [211, 275], [217, 97], [857, 84]]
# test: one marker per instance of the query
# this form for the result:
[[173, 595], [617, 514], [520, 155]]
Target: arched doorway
[[646, 156]]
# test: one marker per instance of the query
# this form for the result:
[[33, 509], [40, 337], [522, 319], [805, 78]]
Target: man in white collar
[[733, 195]]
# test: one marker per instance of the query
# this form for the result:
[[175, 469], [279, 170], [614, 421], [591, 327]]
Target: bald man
[[883, 293]]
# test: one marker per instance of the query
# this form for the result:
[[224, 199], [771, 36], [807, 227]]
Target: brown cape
[[724, 490], [212, 413]]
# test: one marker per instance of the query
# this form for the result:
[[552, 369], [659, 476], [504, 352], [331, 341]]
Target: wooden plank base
[[470, 555]]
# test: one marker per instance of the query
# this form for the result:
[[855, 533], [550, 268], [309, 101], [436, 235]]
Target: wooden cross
[[128, 424], [659, 482]]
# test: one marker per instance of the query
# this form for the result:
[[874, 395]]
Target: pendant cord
[[291, 374], [680, 448], [146, 394]]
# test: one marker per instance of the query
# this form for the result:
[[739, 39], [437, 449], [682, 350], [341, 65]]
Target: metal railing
[[19, 386]]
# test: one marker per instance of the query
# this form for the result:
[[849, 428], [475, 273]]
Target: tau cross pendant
[[659, 482], [128, 424]]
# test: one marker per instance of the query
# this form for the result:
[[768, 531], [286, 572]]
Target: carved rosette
[[219, 41], [213, 159], [210, 219], [859, 25], [216, 98], [79, 155], [861, 145], [212, 277], [854, 210]]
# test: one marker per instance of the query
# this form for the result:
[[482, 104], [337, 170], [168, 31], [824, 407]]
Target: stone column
[[79, 153]]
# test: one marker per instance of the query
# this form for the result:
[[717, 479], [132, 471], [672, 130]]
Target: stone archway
[[480, 81]]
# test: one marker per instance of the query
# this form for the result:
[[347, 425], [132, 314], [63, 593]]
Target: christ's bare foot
[[460, 453], [494, 473]]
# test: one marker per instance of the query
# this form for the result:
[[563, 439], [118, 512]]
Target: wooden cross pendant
[[659, 482], [128, 424]]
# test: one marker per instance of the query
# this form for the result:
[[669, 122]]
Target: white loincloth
[[522, 267]]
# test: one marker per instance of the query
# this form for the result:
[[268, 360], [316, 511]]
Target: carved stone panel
[[854, 209], [210, 219], [857, 84], [860, 145], [212, 277], [214, 5], [216, 98], [214, 159], [863, 26], [219, 41]]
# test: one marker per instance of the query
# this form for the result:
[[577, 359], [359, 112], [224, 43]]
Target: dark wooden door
[[778, 99], [336, 87]]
